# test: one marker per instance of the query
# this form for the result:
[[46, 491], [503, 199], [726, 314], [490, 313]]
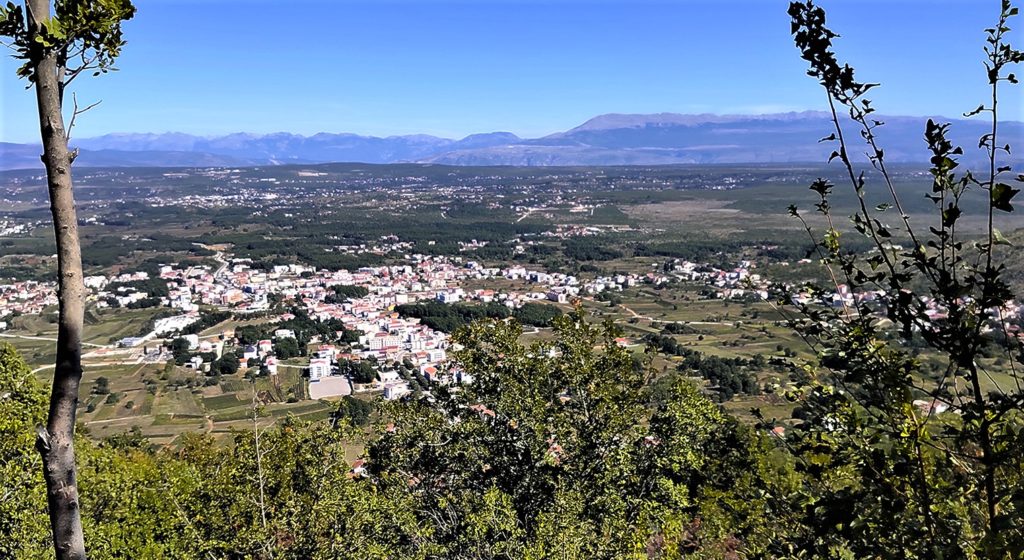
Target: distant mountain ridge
[[610, 139]]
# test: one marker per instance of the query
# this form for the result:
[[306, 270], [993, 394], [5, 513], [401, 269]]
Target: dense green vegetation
[[344, 293], [598, 475], [558, 451], [305, 329], [355, 411], [448, 318], [363, 371]]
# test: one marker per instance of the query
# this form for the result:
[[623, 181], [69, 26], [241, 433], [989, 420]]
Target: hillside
[[611, 139]]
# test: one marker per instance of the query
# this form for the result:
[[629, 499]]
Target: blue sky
[[530, 67]]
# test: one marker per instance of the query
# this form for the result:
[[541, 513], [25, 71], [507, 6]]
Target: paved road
[[49, 340], [528, 212], [96, 364]]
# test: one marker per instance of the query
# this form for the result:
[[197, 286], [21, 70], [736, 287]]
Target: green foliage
[[342, 293], [207, 320], [304, 327], [355, 411], [225, 365], [359, 372], [196, 501], [537, 314], [554, 446], [154, 287], [85, 31], [886, 470], [726, 376], [448, 318], [590, 249], [101, 386], [287, 348], [180, 351], [24, 526]]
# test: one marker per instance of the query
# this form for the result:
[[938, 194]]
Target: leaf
[[950, 216], [822, 187], [1002, 194], [975, 112]]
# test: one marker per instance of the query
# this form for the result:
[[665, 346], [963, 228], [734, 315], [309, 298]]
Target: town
[[299, 287]]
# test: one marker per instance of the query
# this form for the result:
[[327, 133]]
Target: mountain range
[[611, 139]]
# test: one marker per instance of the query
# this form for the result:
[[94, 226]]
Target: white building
[[319, 368], [171, 324], [394, 391], [389, 377]]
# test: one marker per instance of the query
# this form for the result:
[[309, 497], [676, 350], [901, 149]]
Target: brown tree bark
[[56, 441]]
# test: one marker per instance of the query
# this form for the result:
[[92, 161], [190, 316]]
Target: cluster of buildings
[[385, 337], [26, 298], [387, 244], [194, 285], [262, 353], [569, 230], [10, 228], [111, 291], [738, 282]]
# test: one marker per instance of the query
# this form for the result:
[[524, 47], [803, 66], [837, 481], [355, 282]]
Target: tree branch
[[75, 113]]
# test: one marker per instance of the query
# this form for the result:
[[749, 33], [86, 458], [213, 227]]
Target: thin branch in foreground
[[75, 112]]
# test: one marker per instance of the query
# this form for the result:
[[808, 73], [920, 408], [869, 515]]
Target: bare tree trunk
[[56, 442]]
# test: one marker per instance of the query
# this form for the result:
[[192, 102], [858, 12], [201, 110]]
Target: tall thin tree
[[57, 44]]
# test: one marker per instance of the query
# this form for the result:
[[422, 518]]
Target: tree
[[102, 386], [287, 348], [22, 407], [180, 350], [56, 47], [888, 472], [536, 314], [359, 372], [225, 365], [552, 451], [356, 411]]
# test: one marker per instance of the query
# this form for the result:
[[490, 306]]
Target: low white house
[[319, 368], [393, 391], [284, 333], [388, 377], [250, 353]]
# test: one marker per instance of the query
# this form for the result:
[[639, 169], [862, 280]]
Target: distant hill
[[612, 139]]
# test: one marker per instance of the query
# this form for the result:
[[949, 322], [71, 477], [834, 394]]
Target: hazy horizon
[[451, 69], [412, 133]]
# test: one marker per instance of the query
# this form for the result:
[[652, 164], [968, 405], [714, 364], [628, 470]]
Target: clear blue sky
[[530, 67]]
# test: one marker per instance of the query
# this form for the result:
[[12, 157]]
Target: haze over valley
[[610, 139]]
